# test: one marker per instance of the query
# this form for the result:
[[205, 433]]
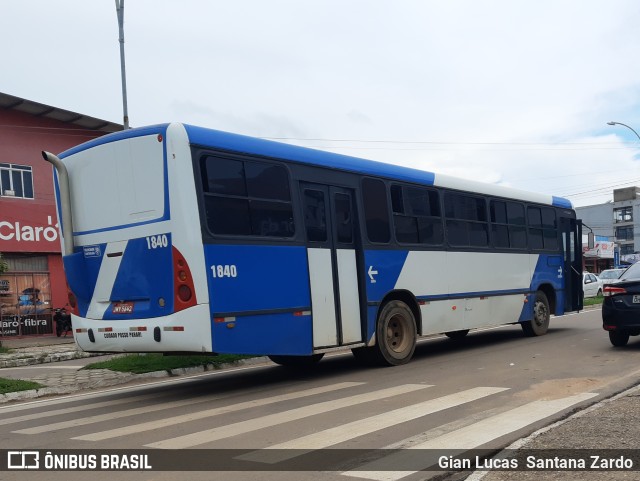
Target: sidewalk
[[27, 353], [40, 350]]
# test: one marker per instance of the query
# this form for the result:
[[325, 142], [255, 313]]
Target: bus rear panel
[[130, 273]]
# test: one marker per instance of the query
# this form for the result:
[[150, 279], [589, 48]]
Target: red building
[[29, 236]]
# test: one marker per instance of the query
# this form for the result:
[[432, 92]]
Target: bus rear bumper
[[185, 331]]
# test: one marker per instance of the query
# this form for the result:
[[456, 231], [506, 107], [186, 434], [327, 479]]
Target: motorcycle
[[63, 321]]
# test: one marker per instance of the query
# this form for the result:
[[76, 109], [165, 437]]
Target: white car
[[610, 275], [591, 285]]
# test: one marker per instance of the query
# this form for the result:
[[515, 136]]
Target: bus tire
[[539, 325], [296, 361], [395, 334], [457, 335], [619, 338]]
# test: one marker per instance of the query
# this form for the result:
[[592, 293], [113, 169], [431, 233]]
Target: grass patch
[[15, 385], [593, 301], [139, 364], [4, 350]]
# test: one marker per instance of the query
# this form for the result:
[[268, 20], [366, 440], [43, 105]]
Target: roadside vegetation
[[14, 385], [592, 301], [139, 364]]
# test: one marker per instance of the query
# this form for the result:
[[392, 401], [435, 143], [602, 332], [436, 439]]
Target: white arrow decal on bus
[[371, 274]]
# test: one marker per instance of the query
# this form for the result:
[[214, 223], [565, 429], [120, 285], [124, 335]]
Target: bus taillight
[[184, 293], [184, 290]]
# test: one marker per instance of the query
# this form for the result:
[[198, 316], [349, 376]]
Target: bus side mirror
[[590, 240]]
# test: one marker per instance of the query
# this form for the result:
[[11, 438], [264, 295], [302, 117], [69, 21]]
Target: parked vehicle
[[610, 275], [63, 321], [621, 307], [591, 285]]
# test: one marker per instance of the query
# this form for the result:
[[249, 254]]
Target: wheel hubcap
[[397, 338], [540, 311]]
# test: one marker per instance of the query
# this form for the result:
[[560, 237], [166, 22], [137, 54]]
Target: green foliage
[[14, 385], [593, 301], [4, 267], [139, 364]]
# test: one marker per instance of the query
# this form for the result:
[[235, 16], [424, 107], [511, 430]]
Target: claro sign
[[28, 233], [39, 233]]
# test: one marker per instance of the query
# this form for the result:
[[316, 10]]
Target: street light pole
[[120, 12], [625, 125]]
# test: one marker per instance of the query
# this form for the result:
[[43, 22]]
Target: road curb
[[523, 442], [123, 379]]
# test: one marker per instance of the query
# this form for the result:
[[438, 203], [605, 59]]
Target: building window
[[624, 233], [16, 181], [623, 214], [626, 249]]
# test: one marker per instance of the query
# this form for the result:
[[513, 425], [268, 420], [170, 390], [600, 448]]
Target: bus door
[[572, 246], [332, 252]]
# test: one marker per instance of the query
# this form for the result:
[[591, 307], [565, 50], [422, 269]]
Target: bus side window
[[416, 215], [344, 219], [376, 210], [315, 215], [542, 228], [247, 198], [466, 220], [508, 225]]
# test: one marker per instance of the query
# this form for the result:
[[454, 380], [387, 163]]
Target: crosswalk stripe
[[346, 432], [466, 438], [75, 409], [250, 425], [109, 416], [184, 418]]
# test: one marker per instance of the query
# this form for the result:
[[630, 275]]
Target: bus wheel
[[457, 335], [297, 361], [619, 338], [539, 325], [396, 334]]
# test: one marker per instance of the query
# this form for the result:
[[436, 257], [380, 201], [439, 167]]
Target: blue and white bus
[[182, 239]]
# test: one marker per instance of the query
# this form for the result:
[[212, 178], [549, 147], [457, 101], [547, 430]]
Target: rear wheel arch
[[409, 299], [550, 292], [396, 331]]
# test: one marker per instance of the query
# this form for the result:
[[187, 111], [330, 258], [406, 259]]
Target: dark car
[[621, 307]]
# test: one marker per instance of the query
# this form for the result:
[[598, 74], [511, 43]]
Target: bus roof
[[251, 145]]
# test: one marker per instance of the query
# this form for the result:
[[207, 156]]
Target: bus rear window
[[117, 184]]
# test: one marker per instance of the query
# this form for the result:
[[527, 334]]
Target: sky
[[512, 92]]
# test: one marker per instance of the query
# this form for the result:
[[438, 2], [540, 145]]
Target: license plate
[[127, 307], [636, 299]]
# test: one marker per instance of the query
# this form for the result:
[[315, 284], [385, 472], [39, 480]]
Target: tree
[[4, 267]]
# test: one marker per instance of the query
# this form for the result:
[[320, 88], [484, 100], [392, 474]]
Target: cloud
[[517, 93]]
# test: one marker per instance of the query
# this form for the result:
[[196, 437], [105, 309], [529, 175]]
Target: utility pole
[[120, 11]]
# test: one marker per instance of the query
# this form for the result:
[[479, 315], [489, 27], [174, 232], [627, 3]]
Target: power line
[[430, 142]]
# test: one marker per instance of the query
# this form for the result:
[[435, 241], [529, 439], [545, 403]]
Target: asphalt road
[[484, 392]]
